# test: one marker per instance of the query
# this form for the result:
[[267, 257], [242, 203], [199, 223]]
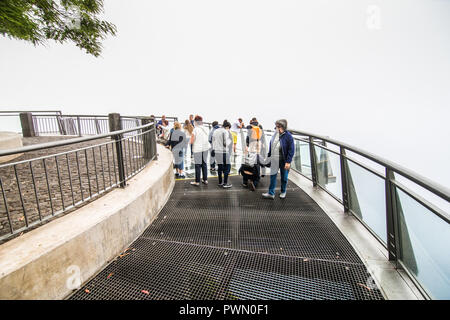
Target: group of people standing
[[220, 144]]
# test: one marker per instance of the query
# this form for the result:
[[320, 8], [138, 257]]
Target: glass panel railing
[[329, 171], [424, 239], [367, 198], [302, 160]]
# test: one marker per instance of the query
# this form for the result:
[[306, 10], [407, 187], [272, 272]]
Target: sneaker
[[227, 185], [177, 174], [245, 185], [220, 184], [212, 169], [268, 196], [181, 176], [195, 183], [283, 195], [251, 186], [205, 181]]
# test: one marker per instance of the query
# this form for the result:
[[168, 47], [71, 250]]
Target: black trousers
[[254, 177], [224, 166]]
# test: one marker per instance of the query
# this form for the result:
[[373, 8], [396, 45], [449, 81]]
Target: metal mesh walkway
[[215, 243]]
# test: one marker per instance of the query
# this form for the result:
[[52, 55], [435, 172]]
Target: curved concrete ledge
[[10, 140], [49, 262]]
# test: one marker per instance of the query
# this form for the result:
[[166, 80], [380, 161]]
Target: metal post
[[393, 236], [79, 125], [114, 125], [152, 136], [147, 139], [26, 121], [344, 180], [312, 155]]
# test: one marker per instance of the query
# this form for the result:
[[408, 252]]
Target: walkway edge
[[394, 284], [54, 259]]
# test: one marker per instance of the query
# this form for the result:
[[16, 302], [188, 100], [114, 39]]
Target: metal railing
[[35, 190], [400, 208], [48, 123]]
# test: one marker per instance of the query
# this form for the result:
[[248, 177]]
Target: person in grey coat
[[222, 142]]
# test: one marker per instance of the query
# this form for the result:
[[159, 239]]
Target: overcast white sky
[[331, 67]]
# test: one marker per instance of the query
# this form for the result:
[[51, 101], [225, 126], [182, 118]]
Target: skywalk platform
[[215, 243]]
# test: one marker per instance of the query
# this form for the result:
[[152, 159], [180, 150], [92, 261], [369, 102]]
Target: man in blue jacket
[[281, 152]]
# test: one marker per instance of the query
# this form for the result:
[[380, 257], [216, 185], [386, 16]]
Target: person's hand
[[287, 166]]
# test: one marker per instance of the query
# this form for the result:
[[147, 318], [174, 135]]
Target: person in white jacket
[[200, 148]]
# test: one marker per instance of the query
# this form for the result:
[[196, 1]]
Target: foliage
[[37, 21]]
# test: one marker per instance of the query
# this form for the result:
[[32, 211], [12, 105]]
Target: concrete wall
[[46, 263], [10, 140]]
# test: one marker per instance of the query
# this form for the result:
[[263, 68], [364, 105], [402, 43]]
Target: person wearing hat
[[281, 153], [235, 130]]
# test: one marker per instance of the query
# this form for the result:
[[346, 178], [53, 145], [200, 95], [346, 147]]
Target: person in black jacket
[[250, 171]]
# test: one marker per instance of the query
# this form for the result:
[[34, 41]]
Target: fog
[[374, 74]]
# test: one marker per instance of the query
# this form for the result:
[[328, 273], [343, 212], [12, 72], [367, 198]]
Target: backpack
[[250, 159], [256, 133]]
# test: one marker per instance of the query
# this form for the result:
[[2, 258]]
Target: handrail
[[394, 242], [424, 182], [53, 144], [25, 111]]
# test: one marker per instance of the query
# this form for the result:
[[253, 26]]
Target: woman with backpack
[[177, 143]]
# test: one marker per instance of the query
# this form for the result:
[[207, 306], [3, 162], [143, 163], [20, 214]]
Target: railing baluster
[[130, 173], [35, 191], [11, 227], [70, 178], [135, 156], [87, 171], [109, 167], [79, 174], [103, 168], [60, 184], [48, 187], [21, 196], [95, 169], [114, 161], [139, 145]]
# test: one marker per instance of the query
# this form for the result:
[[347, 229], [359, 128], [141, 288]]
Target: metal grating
[[211, 243]]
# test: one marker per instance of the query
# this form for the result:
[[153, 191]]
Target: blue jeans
[[284, 180], [180, 165]]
